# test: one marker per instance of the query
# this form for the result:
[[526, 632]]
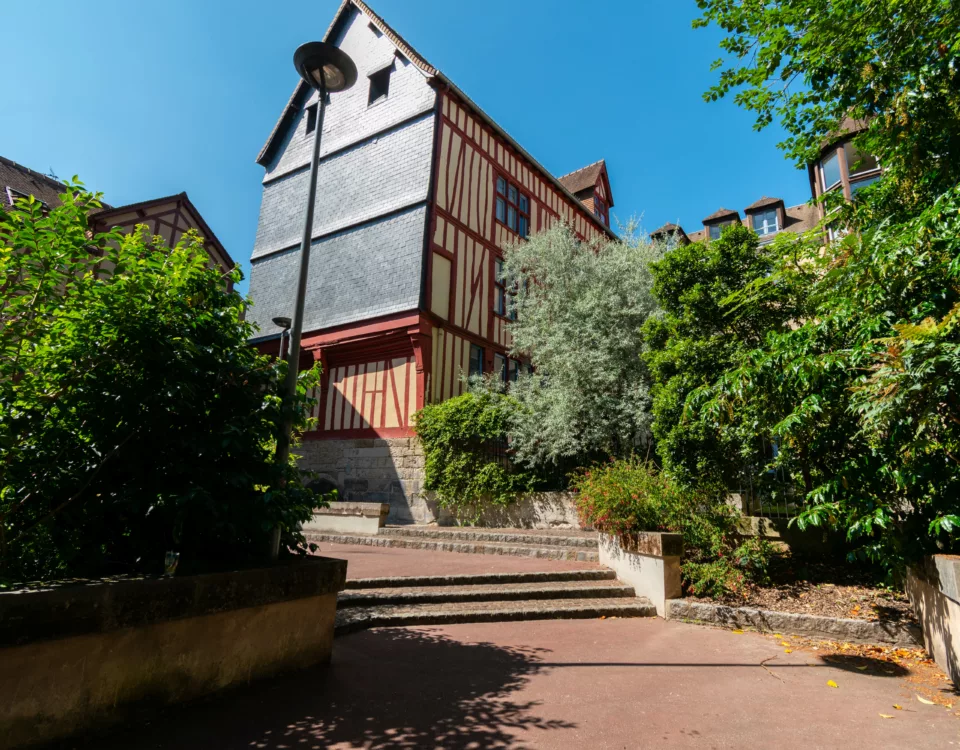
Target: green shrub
[[464, 441], [134, 416], [628, 496]]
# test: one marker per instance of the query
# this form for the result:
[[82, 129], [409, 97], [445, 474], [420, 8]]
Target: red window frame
[[509, 197], [600, 209]]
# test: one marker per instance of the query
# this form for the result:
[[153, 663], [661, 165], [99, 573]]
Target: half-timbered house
[[419, 191], [170, 217]]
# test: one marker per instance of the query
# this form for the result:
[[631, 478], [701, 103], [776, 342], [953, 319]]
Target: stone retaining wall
[[767, 621], [83, 655], [374, 470], [538, 510]]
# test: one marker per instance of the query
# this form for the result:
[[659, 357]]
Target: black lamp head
[[325, 67], [283, 323]]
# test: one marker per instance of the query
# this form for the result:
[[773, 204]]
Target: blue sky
[[143, 100]]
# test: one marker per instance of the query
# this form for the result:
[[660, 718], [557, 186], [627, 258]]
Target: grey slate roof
[[25, 181]]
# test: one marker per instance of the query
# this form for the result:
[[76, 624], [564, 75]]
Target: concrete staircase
[[499, 597], [560, 544]]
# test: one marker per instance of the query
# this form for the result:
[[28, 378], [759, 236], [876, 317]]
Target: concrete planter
[[81, 655], [933, 587], [648, 561]]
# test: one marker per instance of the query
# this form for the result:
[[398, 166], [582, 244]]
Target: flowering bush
[[628, 496]]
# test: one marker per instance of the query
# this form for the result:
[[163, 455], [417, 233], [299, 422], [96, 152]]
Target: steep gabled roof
[[721, 213], [431, 73], [584, 178], [764, 202], [105, 214], [24, 181]]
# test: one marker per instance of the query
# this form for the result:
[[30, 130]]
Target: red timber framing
[[466, 238], [375, 376], [170, 218]]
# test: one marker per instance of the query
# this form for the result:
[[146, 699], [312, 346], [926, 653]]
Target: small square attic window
[[380, 84]]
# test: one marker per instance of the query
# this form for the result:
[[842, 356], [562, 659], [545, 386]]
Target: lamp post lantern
[[327, 69]]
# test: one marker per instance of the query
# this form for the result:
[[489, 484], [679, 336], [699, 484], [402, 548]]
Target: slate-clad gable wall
[[361, 273], [371, 179], [348, 118], [372, 189]]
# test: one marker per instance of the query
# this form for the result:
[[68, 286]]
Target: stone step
[[542, 552], [503, 592], [585, 539], [478, 579], [352, 619]]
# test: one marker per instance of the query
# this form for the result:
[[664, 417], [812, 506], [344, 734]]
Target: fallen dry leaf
[[788, 651], [886, 716], [784, 643], [924, 700], [898, 707], [831, 683], [777, 635], [862, 668], [738, 632]]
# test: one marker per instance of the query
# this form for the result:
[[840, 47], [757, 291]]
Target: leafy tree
[[860, 393], [579, 308], [134, 416], [697, 338], [891, 64]]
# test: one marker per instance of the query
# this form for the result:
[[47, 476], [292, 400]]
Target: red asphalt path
[[578, 684]]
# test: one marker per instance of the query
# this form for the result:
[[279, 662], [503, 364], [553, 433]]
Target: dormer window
[[766, 222], [513, 207], [854, 170], [717, 229], [380, 84], [600, 209]]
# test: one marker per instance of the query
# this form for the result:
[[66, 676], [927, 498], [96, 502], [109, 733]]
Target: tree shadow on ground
[[386, 688]]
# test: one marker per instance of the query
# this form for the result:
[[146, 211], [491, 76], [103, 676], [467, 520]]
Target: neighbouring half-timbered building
[[418, 193], [170, 217]]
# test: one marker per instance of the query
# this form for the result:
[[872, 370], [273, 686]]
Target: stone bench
[[351, 518]]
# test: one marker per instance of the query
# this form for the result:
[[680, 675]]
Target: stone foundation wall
[[374, 470]]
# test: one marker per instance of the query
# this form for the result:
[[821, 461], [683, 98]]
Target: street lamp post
[[327, 69]]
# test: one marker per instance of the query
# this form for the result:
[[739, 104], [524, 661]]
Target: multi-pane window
[[508, 370], [476, 360], [600, 209], [500, 305], [513, 207], [859, 163], [717, 229], [766, 222], [500, 366], [830, 168]]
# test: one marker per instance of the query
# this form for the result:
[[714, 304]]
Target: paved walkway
[[375, 562], [583, 685]]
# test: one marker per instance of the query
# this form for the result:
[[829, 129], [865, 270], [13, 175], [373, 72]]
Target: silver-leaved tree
[[579, 309]]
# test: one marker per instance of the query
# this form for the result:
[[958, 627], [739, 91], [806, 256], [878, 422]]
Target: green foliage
[[134, 416], [465, 446], [579, 311], [894, 64], [697, 338], [629, 496], [861, 391]]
